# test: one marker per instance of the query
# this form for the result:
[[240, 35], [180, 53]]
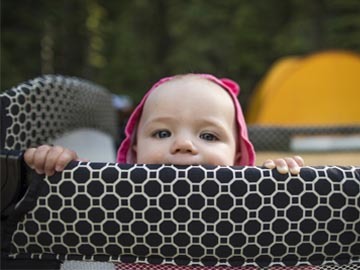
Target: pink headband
[[125, 153]]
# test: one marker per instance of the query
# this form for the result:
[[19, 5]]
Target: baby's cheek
[[213, 159], [220, 158], [154, 157]]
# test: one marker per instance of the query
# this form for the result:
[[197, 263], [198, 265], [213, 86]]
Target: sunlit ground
[[315, 159]]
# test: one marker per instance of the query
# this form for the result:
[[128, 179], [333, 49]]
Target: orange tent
[[320, 89]]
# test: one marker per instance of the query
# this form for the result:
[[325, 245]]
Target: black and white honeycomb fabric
[[192, 215], [44, 108], [70, 265], [283, 138]]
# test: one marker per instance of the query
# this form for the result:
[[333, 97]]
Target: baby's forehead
[[189, 84], [189, 79], [193, 94]]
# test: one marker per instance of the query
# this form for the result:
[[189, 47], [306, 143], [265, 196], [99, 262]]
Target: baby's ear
[[134, 149], [237, 158]]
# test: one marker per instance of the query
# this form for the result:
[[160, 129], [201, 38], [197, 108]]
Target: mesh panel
[[39, 110], [278, 138], [195, 215], [122, 266]]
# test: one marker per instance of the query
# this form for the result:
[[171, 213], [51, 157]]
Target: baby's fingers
[[29, 157], [270, 164], [294, 164], [299, 160], [48, 159], [282, 165], [51, 159], [66, 156], [279, 164], [39, 158], [286, 165]]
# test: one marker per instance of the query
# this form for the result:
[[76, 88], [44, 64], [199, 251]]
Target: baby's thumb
[[82, 159]]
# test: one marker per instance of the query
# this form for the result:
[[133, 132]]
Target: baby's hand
[[285, 165], [48, 159]]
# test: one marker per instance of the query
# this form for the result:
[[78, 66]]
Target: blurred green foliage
[[127, 45]]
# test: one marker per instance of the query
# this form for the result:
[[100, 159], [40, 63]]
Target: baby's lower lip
[[185, 164]]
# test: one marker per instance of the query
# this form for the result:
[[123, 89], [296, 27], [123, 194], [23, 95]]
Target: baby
[[192, 119]]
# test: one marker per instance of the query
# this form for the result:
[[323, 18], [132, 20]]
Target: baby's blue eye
[[162, 134], [208, 137]]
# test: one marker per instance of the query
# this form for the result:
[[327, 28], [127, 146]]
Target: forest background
[[127, 45]]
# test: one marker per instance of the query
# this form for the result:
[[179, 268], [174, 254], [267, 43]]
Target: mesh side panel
[[122, 266], [39, 110], [195, 215], [277, 138]]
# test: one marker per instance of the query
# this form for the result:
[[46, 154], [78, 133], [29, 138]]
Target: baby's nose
[[183, 145]]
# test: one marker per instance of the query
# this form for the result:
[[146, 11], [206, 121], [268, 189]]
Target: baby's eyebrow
[[212, 122], [160, 119], [204, 122], [148, 123]]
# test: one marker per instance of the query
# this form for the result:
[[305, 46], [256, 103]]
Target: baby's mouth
[[184, 160]]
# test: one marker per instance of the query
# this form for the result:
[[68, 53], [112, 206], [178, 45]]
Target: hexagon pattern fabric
[[176, 267], [81, 265], [42, 109], [194, 215]]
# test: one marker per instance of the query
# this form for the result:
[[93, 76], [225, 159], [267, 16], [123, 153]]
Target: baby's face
[[188, 120]]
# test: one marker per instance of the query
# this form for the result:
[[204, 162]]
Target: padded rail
[[190, 215], [44, 108]]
